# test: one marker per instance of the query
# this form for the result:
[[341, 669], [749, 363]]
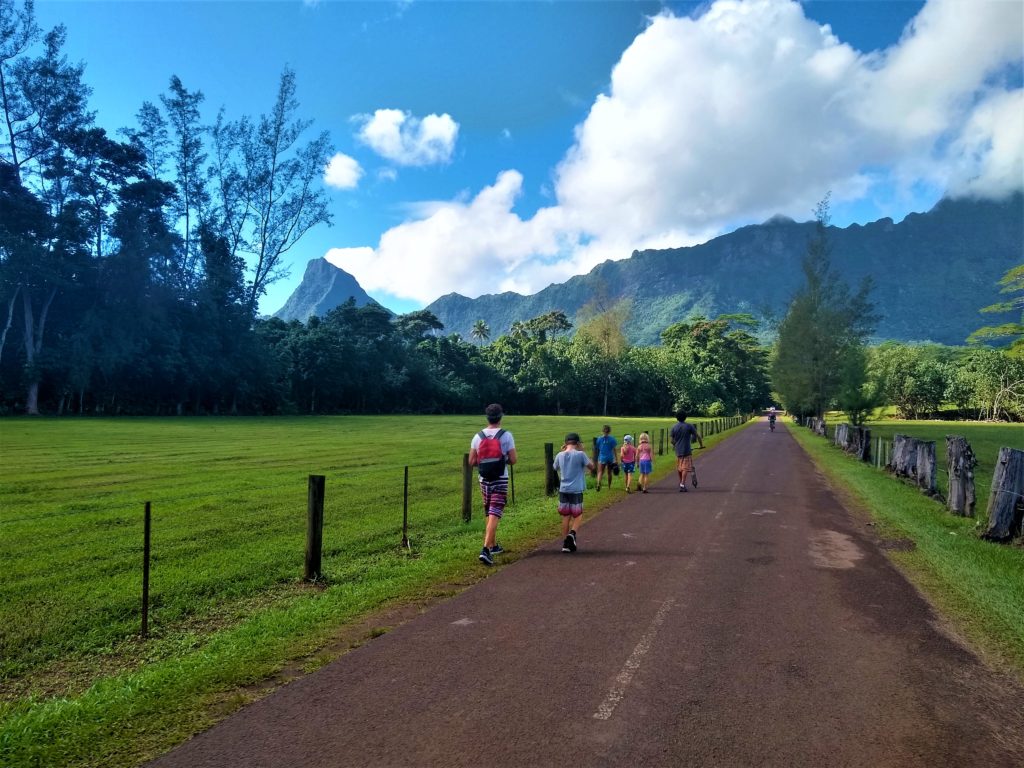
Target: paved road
[[752, 622]]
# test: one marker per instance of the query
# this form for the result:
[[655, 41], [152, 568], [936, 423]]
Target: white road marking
[[624, 677], [763, 512], [463, 622]]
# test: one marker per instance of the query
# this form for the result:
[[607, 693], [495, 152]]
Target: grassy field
[[979, 585], [79, 687]]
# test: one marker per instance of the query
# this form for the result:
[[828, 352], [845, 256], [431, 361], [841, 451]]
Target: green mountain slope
[[932, 272]]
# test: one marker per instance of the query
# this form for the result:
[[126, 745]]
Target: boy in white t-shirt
[[572, 464]]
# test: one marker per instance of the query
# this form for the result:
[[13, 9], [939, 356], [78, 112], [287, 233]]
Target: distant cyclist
[[771, 418]]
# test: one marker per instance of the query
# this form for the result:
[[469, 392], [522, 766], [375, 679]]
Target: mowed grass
[[978, 584], [228, 607]]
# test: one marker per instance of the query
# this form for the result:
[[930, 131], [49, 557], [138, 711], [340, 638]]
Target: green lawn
[[228, 607], [979, 585]]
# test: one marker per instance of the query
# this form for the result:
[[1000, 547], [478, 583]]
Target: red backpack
[[490, 459]]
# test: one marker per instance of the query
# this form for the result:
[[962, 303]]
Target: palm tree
[[481, 332]]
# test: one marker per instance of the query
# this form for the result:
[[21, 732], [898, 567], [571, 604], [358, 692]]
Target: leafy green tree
[[604, 329], [1013, 284], [857, 395], [911, 377], [281, 185], [45, 103], [189, 158], [481, 331], [824, 321], [719, 363], [988, 383]]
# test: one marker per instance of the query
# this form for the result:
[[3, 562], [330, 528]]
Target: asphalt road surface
[[751, 622]]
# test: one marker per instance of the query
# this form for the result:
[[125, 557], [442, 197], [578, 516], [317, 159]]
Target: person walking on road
[[572, 464], [491, 450], [645, 460], [627, 457], [605, 455], [682, 435]]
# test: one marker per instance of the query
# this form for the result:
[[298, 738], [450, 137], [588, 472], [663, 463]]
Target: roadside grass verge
[[976, 584], [228, 610]]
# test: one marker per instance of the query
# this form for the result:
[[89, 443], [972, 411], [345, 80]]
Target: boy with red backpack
[[491, 451]]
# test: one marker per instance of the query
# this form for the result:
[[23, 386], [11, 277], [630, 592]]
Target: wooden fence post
[[549, 470], [593, 457], [146, 528], [405, 510], [314, 528], [926, 467], [960, 464], [661, 441], [467, 489], [1006, 502]]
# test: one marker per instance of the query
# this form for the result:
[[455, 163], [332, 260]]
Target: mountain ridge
[[932, 272]]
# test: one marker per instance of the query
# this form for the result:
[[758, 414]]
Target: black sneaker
[[571, 538], [485, 557], [567, 544], [497, 549], [682, 489]]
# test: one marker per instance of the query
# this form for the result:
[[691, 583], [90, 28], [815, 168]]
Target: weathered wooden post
[[960, 464], [549, 469], [467, 489], [926, 467], [405, 510], [593, 457], [864, 444], [661, 441], [146, 528], [1006, 502], [314, 528]]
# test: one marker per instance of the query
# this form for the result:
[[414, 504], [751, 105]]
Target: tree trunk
[[1006, 502], [34, 345], [10, 320], [960, 461]]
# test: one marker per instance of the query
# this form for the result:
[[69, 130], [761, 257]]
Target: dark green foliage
[[1013, 331]]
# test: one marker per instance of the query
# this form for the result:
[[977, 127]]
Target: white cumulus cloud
[[342, 172], [408, 140], [746, 110]]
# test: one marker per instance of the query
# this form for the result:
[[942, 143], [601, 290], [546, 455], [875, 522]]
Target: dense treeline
[[131, 267]]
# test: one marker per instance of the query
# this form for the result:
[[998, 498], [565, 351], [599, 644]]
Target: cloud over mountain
[[746, 110]]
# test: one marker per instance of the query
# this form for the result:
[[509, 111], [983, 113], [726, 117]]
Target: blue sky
[[487, 146]]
